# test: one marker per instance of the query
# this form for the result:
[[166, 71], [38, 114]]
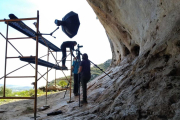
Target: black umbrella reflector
[[70, 24]]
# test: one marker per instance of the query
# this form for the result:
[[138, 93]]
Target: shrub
[[62, 83], [7, 91]]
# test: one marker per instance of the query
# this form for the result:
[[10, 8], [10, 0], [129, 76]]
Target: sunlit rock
[[138, 26]]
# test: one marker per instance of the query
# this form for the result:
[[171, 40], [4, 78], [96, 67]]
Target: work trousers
[[76, 84], [63, 55], [84, 80]]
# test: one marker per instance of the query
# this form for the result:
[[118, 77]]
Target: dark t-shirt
[[68, 44], [85, 68]]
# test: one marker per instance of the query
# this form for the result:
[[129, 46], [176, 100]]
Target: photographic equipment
[[79, 59], [70, 24], [79, 46], [46, 33], [78, 53], [54, 113]]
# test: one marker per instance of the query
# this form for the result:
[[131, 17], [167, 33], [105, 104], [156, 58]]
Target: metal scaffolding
[[36, 63]]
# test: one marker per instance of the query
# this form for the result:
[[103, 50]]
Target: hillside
[[15, 88], [96, 71]]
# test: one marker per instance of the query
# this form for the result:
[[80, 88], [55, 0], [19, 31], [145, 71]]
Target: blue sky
[[91, 33]]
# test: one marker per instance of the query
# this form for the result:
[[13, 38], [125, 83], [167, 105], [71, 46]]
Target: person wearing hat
[[64, 45], [85, 72]]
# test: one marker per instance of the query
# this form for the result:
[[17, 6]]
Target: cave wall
[[135, 27]]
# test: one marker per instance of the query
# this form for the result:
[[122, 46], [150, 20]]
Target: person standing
[[84, 70], [64, 45], [75, 67]]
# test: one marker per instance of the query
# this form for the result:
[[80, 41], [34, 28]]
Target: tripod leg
[[66, 91], [79, 89]]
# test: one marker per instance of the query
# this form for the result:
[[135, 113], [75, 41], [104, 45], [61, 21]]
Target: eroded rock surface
[[145, 38], [137, 26], [140, 90]]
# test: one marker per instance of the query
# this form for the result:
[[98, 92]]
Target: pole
[[96, 66], [4, 92], [79, 89], [79, 60], [47, 74], [36, 66], [100, 69], [55, 71], [70, 79]]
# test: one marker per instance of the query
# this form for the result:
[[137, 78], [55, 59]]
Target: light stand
[[50, 33], [47, 33]]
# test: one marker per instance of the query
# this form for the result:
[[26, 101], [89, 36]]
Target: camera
[[79, 46]]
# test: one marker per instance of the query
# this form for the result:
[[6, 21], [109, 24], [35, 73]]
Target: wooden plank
[[21, 38], [20, 76], [16, 97]]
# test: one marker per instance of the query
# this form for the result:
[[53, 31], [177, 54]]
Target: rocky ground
[[142, 89], [23, 109]]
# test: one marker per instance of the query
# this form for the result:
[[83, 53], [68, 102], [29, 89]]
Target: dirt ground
[[23, 109]]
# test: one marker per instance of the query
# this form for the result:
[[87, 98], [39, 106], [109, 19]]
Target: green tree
[[7, 91], [62, 83]]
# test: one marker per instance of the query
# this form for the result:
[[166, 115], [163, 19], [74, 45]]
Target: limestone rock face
[[137, 26], [145, 42]]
